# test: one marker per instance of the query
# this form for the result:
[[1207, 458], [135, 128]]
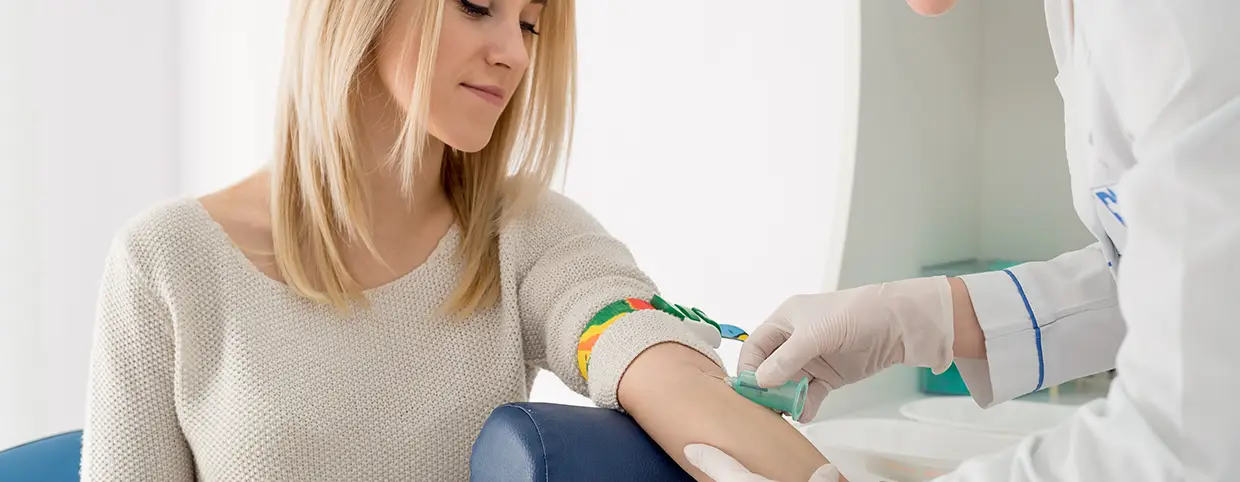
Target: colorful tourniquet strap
[[600, 323], [607, 316], [730, 332]]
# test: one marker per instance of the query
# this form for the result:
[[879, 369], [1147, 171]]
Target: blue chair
[[52, 459], [544, 442], [518, 442]]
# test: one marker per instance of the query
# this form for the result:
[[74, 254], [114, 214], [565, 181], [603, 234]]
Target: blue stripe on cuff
[[1037, 330]]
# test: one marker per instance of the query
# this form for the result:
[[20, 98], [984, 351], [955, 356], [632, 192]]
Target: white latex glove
[[841, 337], [723, 468]]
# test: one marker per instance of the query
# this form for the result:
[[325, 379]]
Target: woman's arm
[[676, 395], [131, 431], [572, 269]]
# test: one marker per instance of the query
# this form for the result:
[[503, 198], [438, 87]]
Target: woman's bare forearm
[[677, 396]]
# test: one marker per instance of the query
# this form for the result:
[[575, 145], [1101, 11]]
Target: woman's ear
[[931, 8]]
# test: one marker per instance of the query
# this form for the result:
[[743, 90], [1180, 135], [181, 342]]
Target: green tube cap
[[788, 398]]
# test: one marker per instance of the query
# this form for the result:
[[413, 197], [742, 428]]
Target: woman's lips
[[489, 93]]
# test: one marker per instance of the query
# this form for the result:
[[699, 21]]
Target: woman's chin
[[470, 147], [469, 138], [467, 142]]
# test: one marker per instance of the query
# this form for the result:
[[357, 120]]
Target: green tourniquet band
[[662, 305], [608, 312], [707, 319]]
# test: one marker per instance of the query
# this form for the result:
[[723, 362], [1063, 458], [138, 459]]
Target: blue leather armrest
[[525, 442], [52, 459]]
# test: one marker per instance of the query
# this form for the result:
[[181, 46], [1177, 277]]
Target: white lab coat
[[1152, 105]]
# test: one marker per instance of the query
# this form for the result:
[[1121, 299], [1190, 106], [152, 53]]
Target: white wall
[[121, 104], [914, 188], [231, 53], [20, 274], [960, 144], [88, 116], [1026, 204], [712, 144]]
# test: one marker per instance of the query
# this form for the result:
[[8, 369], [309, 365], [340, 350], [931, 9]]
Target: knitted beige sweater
[[204, 368]]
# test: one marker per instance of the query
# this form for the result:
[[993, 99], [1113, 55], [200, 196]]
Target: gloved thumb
[[826, 473], [787, 360], [718, 465]]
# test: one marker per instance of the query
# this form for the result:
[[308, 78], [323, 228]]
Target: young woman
[[357, 309]]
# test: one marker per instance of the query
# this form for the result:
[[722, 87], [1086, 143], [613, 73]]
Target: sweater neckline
[[445, 247]]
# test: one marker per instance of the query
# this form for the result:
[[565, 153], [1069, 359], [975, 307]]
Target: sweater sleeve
[[132, 431], [578, 269]]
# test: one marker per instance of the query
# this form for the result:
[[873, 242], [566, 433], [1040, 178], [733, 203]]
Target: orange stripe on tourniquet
[[588, 343], [640, 304]]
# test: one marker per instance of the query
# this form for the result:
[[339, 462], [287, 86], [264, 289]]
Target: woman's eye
[[474, 10]]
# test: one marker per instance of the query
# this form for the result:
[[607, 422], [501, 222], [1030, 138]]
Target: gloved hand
[[841, 337], [723, 468]]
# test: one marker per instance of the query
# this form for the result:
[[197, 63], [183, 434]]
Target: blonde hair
[[318, 197]]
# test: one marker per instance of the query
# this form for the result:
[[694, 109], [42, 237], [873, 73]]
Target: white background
[[709, 141], [230, 67], [106, 108], [88, 136]]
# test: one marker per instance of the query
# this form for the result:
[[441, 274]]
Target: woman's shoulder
[[185, 229], [554, 221], [552, 214], [165, 224], [162, 234], [148, 247]]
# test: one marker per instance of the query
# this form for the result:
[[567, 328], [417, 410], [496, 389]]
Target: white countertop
[[891, 409], [948, 431]]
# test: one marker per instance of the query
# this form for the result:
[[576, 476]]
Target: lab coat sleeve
[[577, 269], [1172, 70], [1044, 323]]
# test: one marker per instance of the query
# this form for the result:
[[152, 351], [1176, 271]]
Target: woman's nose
[[508, 48]]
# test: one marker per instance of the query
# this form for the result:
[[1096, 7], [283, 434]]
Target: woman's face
[[484, 50]]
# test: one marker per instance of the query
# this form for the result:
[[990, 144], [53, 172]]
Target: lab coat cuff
[[1007, 304], [625, 340]]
